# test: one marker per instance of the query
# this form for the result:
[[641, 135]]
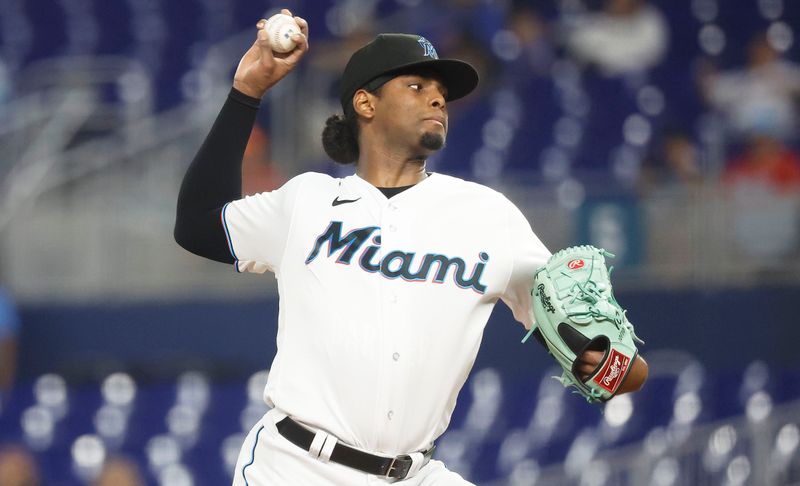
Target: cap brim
[[459, 77]]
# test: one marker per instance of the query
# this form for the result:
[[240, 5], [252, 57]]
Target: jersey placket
[[391, 377]]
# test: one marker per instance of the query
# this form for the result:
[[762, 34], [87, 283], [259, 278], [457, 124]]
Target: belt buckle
[[403, 469], [391, 468]]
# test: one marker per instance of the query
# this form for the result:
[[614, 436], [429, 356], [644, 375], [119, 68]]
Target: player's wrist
[[244, 97], [248, 90]]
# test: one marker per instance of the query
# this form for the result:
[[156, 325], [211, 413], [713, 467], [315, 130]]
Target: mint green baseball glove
[[576, 311]]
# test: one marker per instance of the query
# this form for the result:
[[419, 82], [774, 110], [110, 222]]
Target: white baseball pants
[[268, 459]]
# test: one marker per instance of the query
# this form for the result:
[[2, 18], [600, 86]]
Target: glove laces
[[588, 292], [601, 303]]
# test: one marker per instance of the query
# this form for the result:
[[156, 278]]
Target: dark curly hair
[[340, 135], [340, 138]]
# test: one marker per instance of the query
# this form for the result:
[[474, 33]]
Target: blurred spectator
[[761, 98], [118, 471], [259, 173], [5, 87], [467, 46], [764, 186], [532, 33], [443, 20], [17, 467], [468, 116], [9, 329], [329, 56], [672, 163], [768, 162], [627, 36]]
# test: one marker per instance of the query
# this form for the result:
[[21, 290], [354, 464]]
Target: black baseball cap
[[399, 54]]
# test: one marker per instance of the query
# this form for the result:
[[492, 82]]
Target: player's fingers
[[262, 41], [592, 357], [299, 50], [301, 41], [585, 370], [261, 24], [262, 38], [588, 362], [301, 22], [285, 11]]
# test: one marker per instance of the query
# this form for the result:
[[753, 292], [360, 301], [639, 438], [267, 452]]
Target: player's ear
[[363, 103]]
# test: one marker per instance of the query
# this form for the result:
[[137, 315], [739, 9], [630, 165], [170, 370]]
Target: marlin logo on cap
[[428, 47]]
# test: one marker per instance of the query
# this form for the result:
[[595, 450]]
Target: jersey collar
[[368, 187]]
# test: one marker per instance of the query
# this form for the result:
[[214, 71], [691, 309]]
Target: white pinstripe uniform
[[383, 303]]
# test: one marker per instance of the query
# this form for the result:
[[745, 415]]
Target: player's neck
[[383, 169]]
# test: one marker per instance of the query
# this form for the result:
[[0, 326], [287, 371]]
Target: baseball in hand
[[281, 28]]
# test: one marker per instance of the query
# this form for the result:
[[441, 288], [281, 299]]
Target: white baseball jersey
[[383, 302]]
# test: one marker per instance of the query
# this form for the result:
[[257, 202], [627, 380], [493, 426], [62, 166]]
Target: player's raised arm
[[214, 177]]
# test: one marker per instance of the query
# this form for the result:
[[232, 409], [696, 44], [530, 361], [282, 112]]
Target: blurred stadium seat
[[505, 433]]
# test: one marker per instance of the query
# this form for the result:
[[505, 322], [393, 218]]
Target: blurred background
[[663, 131]]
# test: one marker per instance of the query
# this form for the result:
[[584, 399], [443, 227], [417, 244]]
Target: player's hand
[[587, 363], [260, 68], [589, 360], [636, 376]]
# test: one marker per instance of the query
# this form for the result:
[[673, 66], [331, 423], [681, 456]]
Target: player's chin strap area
[[326, 447]]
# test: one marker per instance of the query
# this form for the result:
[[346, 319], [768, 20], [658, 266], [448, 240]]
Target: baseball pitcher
[[386, 277]]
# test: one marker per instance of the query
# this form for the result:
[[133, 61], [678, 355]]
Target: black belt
[[390, 467]]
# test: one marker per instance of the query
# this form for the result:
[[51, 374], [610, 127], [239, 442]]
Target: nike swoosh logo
[[338, 201]]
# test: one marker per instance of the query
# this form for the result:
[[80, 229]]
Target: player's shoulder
[[473, 189], [309, 182], [313, 178]]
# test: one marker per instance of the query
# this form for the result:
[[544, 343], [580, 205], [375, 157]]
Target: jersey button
[[392, 228], [390, 414], [393, 299], [396, 356]]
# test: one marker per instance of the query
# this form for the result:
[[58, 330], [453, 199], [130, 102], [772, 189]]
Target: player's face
[[412, 108]]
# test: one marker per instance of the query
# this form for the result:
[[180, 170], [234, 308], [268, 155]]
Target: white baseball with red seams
[[383, 302], [281, 28]]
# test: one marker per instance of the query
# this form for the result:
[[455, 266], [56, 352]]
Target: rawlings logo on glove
[[545, 300], [576, 312]]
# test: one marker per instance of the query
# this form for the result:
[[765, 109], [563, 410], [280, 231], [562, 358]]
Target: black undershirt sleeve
[[214, 178]]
